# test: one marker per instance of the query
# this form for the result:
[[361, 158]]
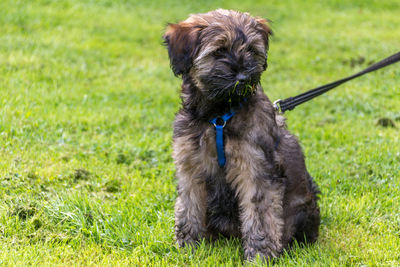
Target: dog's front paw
[[262, 247], [187, 235]]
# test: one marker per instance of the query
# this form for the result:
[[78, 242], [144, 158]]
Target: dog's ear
[[265, 30], [182, 40]]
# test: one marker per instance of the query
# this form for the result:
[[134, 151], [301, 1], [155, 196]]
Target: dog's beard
[[218, 89], [221, 84]]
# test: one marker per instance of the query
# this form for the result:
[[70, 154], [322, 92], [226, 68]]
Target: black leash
[[291, 102]]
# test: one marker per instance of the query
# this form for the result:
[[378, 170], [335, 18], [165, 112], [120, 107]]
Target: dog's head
[[224, 52]]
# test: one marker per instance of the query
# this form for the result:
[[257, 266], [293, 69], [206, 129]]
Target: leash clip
[[277, 106], [215, 122]]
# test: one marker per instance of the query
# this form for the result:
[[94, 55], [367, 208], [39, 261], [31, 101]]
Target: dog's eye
[[220, 52], [256, 52]]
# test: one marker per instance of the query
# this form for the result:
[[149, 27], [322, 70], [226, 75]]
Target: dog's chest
[[208, 147], [196, 152]]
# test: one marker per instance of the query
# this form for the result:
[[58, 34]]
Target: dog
[[242, 176]]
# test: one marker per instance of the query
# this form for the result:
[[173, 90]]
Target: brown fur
[[263, 194]]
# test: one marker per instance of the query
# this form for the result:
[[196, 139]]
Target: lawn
[[87, 101]]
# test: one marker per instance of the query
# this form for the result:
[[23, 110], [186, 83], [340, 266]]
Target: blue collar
[[219, 124]]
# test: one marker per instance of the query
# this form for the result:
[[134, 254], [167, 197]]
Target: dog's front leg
[[262, 218], [190, 210]]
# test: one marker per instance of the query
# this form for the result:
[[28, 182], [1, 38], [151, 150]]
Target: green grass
[[87, 101]]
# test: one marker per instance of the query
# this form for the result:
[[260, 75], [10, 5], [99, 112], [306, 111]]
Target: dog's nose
[[241, 77]]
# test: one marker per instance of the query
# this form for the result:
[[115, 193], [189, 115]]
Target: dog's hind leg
[[307, 220], [302, 216]]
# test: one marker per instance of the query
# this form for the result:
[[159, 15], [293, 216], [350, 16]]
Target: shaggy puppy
[[240, 172]]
